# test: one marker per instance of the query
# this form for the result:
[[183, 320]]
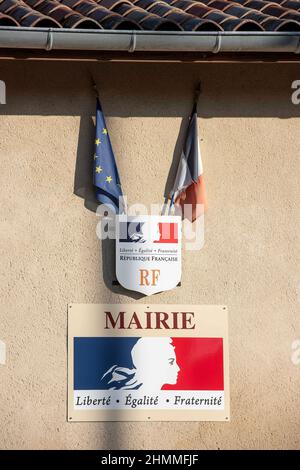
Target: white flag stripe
[[190, 160]]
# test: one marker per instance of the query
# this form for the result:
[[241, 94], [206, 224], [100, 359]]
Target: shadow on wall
[[64, 89], [83, 188]]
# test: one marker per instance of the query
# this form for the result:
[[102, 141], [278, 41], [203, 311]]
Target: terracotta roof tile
[[167, 15]]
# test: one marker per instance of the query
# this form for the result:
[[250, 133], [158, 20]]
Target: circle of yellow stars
[[98, 168]]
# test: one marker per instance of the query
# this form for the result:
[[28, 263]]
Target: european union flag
[[105, 172]]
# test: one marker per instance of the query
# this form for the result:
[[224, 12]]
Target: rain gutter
[[51, 39]]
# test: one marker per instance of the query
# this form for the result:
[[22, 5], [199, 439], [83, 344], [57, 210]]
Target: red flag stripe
[[195, 196]]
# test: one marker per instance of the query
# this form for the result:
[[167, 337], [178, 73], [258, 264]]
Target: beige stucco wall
[[50, 254]]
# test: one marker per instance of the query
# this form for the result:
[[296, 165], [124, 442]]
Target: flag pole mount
[[198, 92], [94, 86]]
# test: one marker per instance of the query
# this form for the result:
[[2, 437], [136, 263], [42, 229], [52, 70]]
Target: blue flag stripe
[[105, 172]]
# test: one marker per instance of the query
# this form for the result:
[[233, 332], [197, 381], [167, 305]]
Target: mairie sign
[[139, 362], [148, 252]]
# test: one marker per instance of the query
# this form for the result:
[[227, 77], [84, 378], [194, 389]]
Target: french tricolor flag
[[189, 187]]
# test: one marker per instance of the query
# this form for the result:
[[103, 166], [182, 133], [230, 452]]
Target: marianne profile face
[[154, 365], [149, 232]]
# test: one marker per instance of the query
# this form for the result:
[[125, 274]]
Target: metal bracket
[[132, 45], [217, 47], [49, 43]]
